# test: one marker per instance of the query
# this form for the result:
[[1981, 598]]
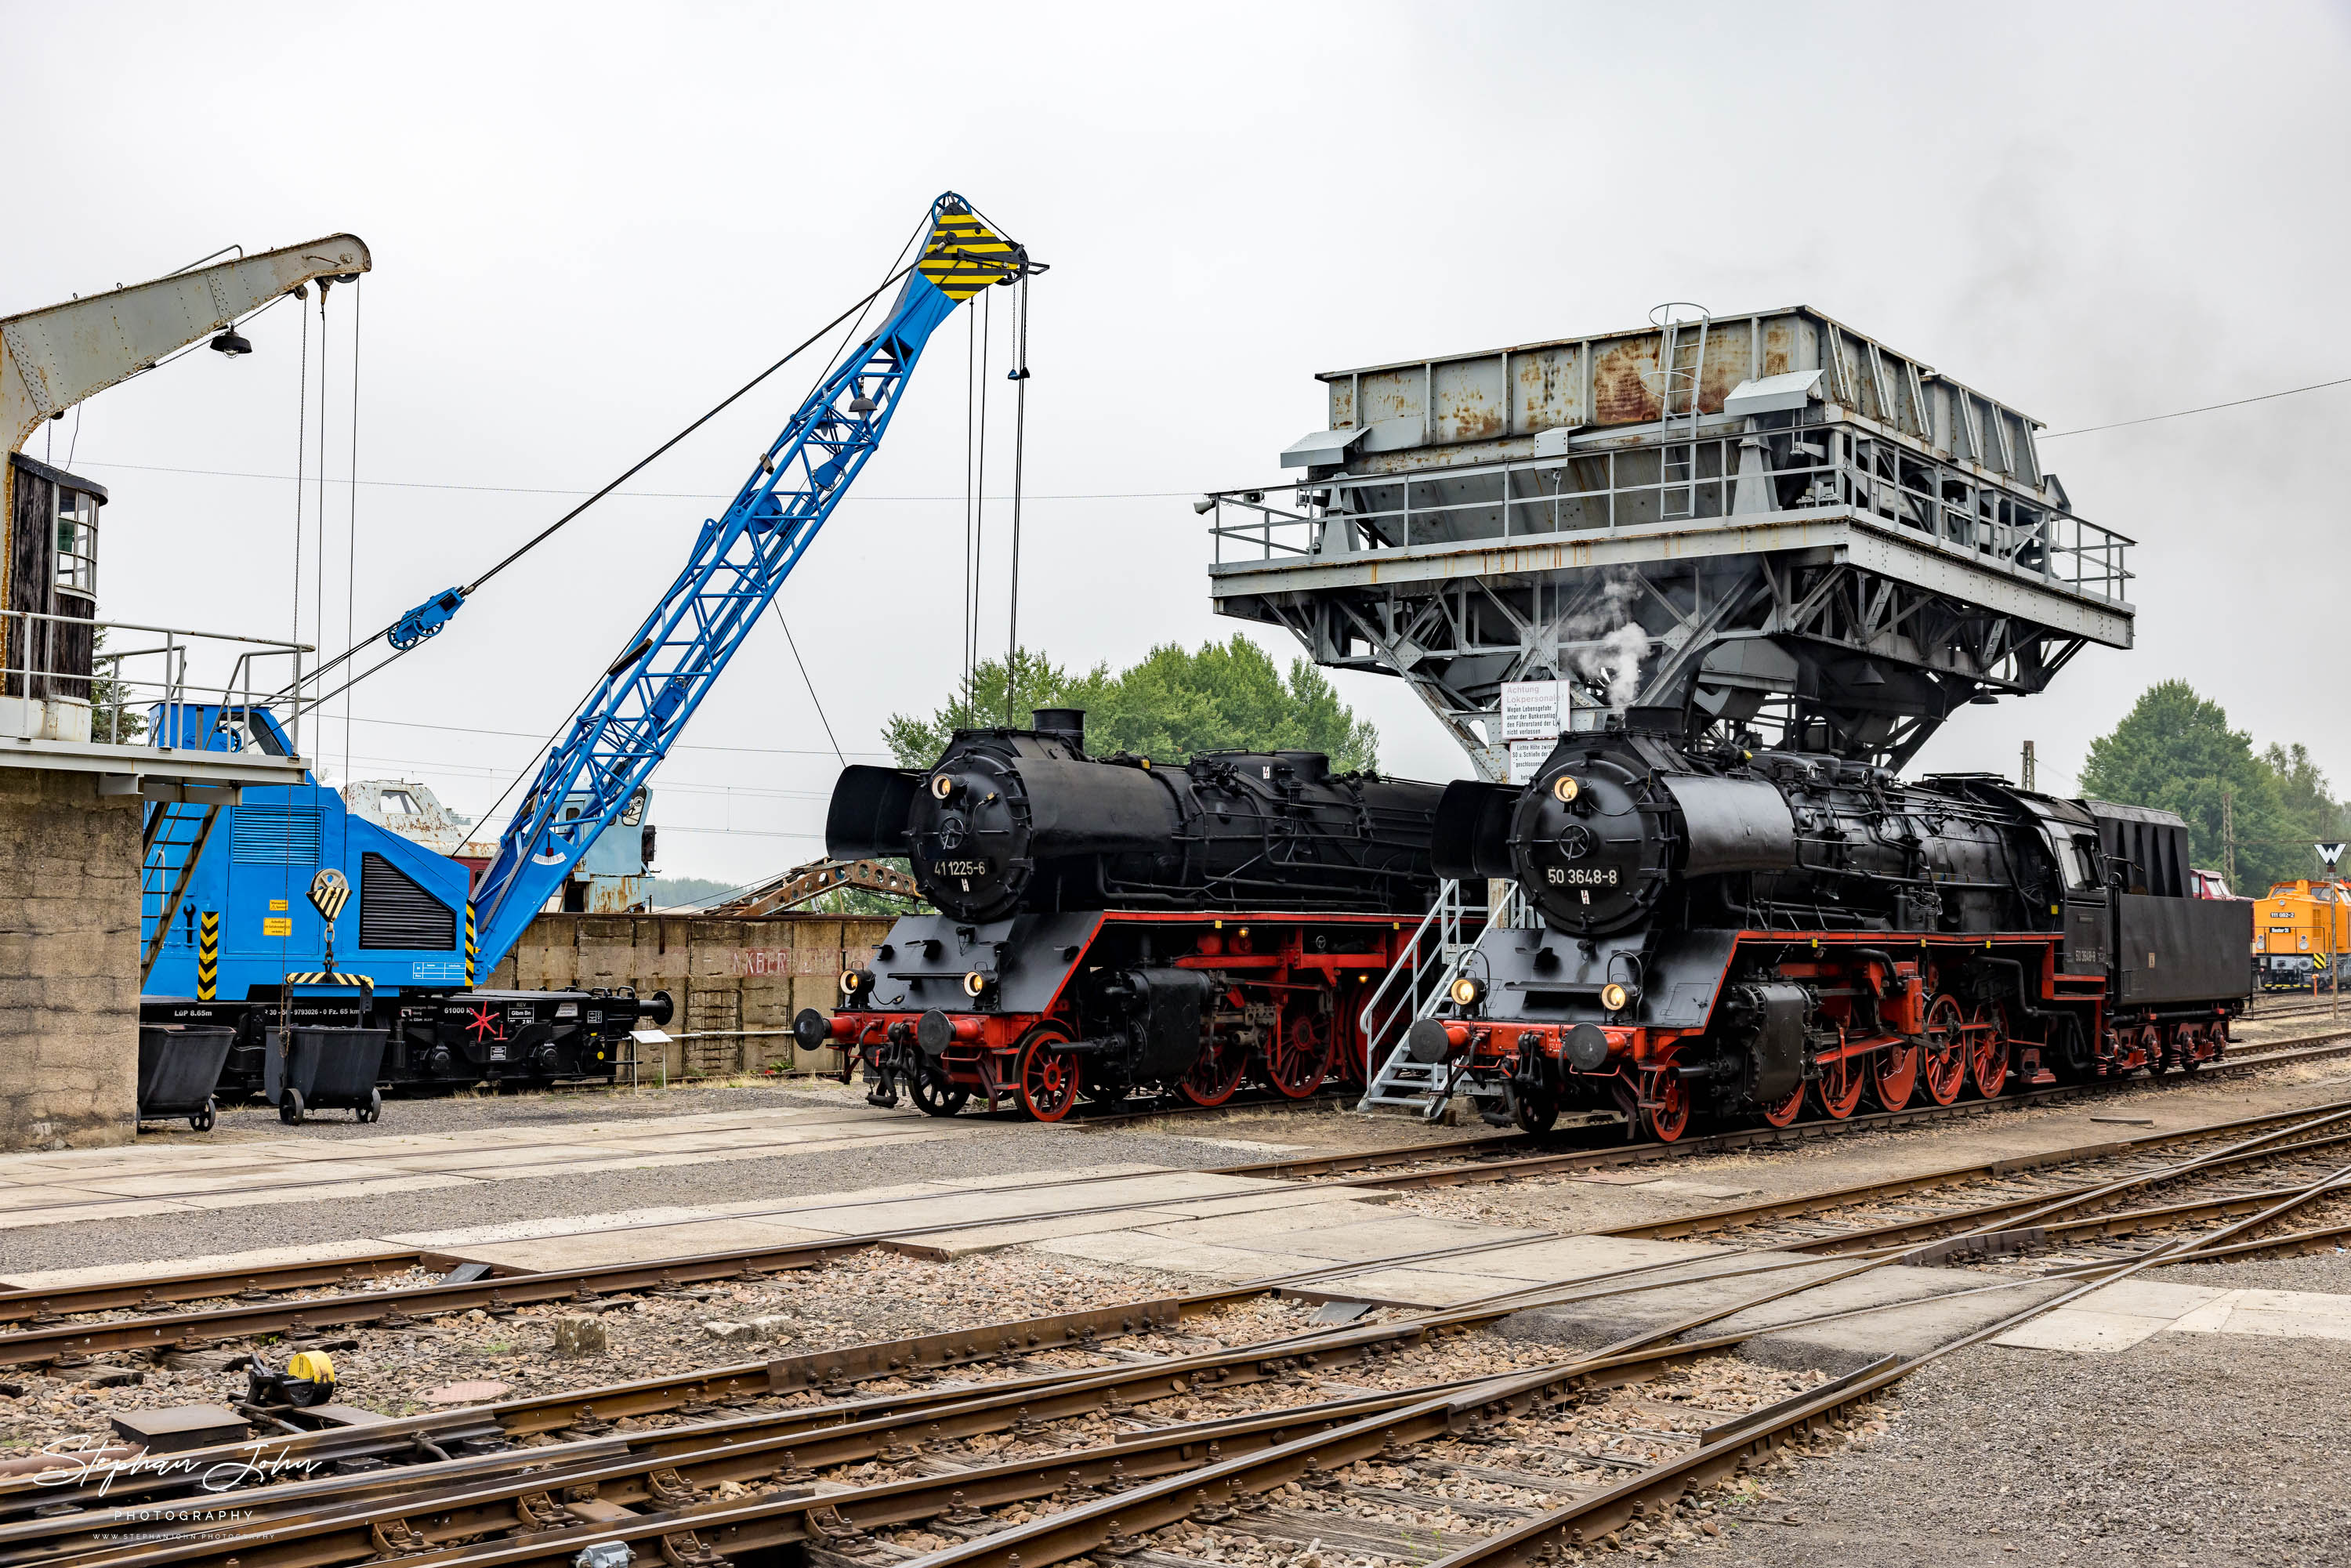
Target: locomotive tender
[[1105, 924], [1725, 931]]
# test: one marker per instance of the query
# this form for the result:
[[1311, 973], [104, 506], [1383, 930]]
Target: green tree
[[980, 703], [2175, 751], [112, 717], [2311, 809], [1173, 703]]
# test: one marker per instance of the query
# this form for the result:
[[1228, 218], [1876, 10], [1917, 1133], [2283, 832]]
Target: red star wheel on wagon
[[486, 1024]]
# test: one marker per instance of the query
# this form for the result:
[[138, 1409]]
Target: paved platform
[[2132, 1311], [75, 1185]]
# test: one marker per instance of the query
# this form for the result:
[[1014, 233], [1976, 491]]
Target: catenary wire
[[635, 468], [547, 746], [2184, 412], [633, 495]]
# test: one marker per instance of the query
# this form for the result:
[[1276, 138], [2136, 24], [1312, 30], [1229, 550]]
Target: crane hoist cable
[[1019, 376], [419, 625]]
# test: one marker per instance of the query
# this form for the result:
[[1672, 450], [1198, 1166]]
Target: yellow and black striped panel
[[963, 254], [469, 943], [331, 977], [208, 955]]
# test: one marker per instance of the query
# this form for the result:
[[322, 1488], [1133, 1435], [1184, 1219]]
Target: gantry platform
[[1770, 524]]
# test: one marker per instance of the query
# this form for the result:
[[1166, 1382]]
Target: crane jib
[[738, 562]]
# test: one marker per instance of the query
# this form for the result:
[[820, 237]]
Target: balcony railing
[[1621, 487], [59, 668]]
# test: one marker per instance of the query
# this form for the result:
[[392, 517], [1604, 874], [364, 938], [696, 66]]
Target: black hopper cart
[[178, 1066], [306, 1068]]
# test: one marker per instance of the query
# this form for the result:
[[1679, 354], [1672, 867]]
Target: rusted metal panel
[[1469, 399], [1547, 387], [1472, 408]]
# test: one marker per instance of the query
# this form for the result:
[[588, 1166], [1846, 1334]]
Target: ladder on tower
[[1681, 359], [170, 843], [1410, 990]]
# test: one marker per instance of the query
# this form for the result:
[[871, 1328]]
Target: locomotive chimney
[[1069, 723]]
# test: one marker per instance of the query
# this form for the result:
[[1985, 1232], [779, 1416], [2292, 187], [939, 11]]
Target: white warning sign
[[1533, 710], [1527, 759]]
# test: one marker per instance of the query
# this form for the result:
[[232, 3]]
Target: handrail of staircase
[[1445, 914]]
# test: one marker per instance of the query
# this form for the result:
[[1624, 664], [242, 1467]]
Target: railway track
[[190, 1311], [1323, 1435], [2314, 1047]]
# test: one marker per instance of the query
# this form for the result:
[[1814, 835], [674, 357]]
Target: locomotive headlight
[[1469, 991], [943, 786], [976, 982], [1614, 997], [854, 981], [1564, 789]]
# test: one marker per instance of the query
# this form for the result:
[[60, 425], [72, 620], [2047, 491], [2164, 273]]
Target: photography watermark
[[83, 1461]]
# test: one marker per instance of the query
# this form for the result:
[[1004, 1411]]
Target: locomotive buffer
[[1772, 528]]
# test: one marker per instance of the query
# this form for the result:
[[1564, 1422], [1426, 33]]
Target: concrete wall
[[69, 961], [726, 975]]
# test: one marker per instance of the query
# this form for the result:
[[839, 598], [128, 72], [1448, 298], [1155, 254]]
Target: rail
[[63, 658], [1607, 487]]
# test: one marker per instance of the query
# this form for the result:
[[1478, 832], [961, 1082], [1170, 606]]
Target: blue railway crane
[[414, 961], [739, 562]]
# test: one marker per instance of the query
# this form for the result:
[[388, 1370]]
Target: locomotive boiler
[[1106, 925], [1726, 933]]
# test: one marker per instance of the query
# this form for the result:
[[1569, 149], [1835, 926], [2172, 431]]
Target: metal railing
[[1630, 484], [125, 686], [1425, 966]]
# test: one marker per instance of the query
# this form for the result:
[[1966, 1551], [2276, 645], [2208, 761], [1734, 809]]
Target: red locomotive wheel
[[1894, 1076], [1664, 1104], [1942, 1052], [1216, 1073], [1347, 1053], [1298, 1058], [1049, 1076], [2191, 1041], [1988, 1052], [1784, 1113], [1837, 1090]]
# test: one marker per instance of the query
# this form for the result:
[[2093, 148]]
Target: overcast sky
[[590, 221]]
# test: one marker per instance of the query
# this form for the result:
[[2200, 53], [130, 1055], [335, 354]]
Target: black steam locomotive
[[1106, 925], [1725, 932]]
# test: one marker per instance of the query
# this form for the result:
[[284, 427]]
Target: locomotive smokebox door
[[1169, 1006]]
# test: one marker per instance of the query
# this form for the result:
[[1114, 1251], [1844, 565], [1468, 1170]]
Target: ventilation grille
[[274, 835], [394, 912]]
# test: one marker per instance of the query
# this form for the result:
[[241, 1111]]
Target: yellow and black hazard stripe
[[208, 955], [469, 943], [963, 254], [331, 977]]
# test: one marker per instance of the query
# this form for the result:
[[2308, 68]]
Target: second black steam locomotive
[[1725, 932], [1106, 925]]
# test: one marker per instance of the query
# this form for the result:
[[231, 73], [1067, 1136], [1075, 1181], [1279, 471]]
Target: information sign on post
[[1534, 715]]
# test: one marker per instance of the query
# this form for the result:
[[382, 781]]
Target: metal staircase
[[1410, 990], [171, 845]]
